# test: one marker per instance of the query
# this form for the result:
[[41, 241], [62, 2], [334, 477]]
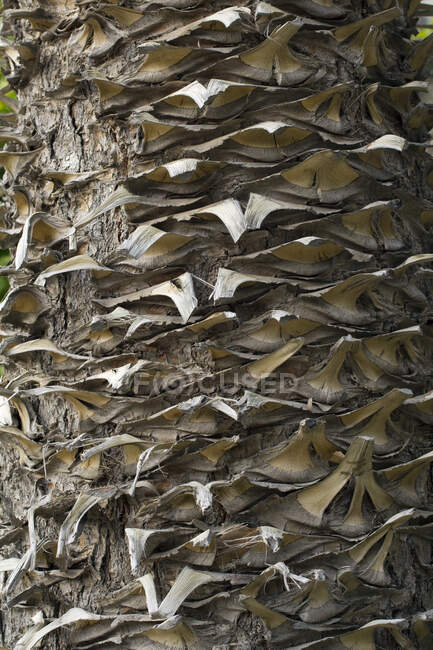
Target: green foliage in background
[[423, 32], [5, 258], [4, 254]]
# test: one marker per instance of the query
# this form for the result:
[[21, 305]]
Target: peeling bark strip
[[217, 405]]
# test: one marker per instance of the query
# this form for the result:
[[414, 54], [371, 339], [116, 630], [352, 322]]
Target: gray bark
[[301, 466]]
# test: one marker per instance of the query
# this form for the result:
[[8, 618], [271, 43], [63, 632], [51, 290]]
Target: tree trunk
[[216, 417]]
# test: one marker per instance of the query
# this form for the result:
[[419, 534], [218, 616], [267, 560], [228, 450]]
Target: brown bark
[[285, 485]]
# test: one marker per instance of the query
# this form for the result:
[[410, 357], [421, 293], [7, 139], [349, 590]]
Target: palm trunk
[[216, 417]]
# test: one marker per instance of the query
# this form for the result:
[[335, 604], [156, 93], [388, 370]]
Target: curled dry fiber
[[217, 404]]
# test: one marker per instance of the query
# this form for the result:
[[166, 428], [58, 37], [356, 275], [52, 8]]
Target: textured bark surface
[[222, 393]]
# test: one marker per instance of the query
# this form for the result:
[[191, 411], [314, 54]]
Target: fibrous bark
[[217, 403]]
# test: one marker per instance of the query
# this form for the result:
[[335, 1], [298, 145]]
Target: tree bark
[[215, 416]]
